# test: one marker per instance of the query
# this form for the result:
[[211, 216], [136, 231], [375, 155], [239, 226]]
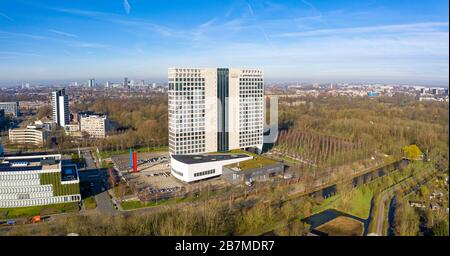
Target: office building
[[10, 108], [190, 168], [91, 83], [31, 135], [125, 82], [213, 110], [94, 125], [37, 180], [60, 104]]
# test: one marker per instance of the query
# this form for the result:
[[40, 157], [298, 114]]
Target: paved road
[[90, 162], [380, 217], [104, 204], [387, 195]]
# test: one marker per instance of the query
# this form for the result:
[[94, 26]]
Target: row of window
[[39, 201], [208, 172], [24, 176], [15, 190]]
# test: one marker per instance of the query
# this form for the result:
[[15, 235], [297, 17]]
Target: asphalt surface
[[104, 204], [90, 162], [380, 217], [97, 179]]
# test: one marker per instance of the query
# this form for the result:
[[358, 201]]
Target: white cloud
[[6, 16], [62, 33], [402, 28], [126, 6]]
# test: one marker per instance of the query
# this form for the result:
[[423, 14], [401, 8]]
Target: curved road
[[387, 195]]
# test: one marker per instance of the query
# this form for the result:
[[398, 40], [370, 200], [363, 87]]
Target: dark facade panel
[[222, 109]]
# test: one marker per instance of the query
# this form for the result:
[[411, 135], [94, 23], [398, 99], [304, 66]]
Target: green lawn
[[90, 203], [106, 154], [359, 203], [257, 161], [11, 213]]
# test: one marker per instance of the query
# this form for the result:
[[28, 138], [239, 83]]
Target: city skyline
[[303, 41]]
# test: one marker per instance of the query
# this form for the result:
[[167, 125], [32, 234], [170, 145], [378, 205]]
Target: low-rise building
[[189, 168], [73, 130], [10, 108], [32, 135], [37, 180], [94, 125], [236, 175]]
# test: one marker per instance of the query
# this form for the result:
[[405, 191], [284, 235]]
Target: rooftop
[[258, 161], [30, 163], [196, 159], [69, 172]]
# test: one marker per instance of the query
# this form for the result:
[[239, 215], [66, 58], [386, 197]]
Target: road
[[104, 204], [387, 195], [380, 216], [98, 180], [90, 162]]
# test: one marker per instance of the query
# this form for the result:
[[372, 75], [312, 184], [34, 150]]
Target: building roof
[[30, 163], [196, 159]]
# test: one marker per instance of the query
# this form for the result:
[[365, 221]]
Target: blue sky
[[403, 41]]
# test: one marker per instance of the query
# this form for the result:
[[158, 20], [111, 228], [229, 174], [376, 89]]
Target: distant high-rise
[[60, 104], [91, 83], [125, 82]]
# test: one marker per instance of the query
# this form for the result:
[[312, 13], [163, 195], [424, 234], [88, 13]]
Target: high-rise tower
[[215, 110], [60, 104]]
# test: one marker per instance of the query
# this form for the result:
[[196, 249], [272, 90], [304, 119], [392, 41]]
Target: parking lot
[[154, 179]]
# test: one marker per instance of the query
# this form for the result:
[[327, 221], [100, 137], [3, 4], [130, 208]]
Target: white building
[[31, 135], [10, 108], [190, 168], [37, 180], [94, 125], [213, 110], [60, 103]]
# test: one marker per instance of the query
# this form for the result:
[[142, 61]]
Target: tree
[[44, 111], [406, 220], [412, 152]]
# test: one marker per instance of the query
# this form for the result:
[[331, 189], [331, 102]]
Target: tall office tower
[[215, 110], [125, 82], [91, 83], [60, 103]]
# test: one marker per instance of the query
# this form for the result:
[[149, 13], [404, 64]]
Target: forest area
[[136, 122], [336, 130]]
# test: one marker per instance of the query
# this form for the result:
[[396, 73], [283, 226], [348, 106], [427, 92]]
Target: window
[[204, 173]]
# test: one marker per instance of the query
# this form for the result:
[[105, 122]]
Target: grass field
[[359, 203], [11, 213], [90, 203], [257, 161], [342, 226]]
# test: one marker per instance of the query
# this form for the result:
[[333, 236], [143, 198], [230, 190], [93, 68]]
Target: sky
[[389, 41]]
